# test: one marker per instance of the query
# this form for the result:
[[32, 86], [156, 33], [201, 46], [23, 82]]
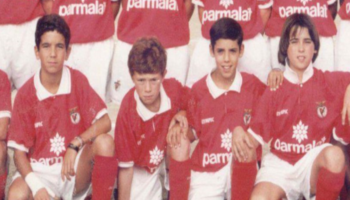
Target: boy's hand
[[179, 118], [241, 145], [42, 194], [174, 135], [68, 164], [275, 79]]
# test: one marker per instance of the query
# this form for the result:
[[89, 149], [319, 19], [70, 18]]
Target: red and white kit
[[91, 24], [342, 42], [256, 57], [5, 96], [44, 124], [166, 20], [140, 137], [213, 113], [17, 26], [299, 118], [322, 18]]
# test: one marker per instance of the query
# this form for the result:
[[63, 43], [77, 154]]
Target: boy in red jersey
[[58, 127], [299, 118], [220, 101], [142, 125], [5, 115]]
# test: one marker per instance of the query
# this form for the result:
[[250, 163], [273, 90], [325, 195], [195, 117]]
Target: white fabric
[[211, 185], [292, 76], [17, 56], [5, 113], [64, 88], [255, 60], [50, 177], [14, 145], [121, 82], [147, 186], [267, 5], [215, 91], [324, 60], [342, 47], [198, 3], [145, 113], [93, 60], [35, 184], [294, 180]]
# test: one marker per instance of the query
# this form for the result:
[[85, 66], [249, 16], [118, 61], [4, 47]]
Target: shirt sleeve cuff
[[330, 2], [14, 145], [126, 164], [266, 5], [198, 3], [99, 115], [256, 136], [341, 140], [4, 114]]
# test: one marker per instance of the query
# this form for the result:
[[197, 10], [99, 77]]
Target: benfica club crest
[[321, 109], [226, 3], [247, 116], [74, 115]]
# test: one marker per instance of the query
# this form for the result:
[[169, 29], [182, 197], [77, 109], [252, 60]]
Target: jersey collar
[[144, 113], [64, 88], [216, 92], [292, 76]]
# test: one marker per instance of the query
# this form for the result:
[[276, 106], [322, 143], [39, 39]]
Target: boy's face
[[52, 52], [226, 53], [148, 87], [301, 49]]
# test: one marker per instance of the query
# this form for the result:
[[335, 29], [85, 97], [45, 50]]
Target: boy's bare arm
[[124, 183]]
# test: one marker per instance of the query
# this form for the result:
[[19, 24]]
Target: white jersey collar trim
[[215, 91], [64, 88], [145, 113], [292, 76]]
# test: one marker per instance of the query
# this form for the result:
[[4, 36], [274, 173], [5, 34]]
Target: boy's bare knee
[[19, 190], [104, 145]]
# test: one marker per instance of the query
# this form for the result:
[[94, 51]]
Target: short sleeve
[[194, 114], [125, 142], [22, 132], [5, 96], [92, 106], [264, 4], [341, 133], [198, 2], [330, 2], [261, 124]]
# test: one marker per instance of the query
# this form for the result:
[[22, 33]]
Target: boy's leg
[[328, 171], [267, 191], [3, 171], [19, 190], [104, 171], [180, 170]]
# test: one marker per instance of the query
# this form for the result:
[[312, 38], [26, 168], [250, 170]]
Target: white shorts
[[50, 176], [121, 82], [255, 60], [148, 186], [93, 60], [325, 58], [342, 47], [211, 185], [17, 55], [293, 179]]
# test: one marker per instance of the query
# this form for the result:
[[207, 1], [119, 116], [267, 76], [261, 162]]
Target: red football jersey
[[43, 124], [166, 19], [316, 9], [19, 11], [88, 20], [245, 12], [5, 95], [299, 117], [344, 11], [140, 135], [213, 113]]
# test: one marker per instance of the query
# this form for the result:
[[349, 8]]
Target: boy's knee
[[104, 145]]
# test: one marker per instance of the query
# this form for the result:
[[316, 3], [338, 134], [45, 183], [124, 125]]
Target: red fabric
[[245, 12], [329, 184], [344, 11], [242, 180], [2, 185], [19, 11], [316, 9], [5, 93], [104, 175], [179, 175]]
